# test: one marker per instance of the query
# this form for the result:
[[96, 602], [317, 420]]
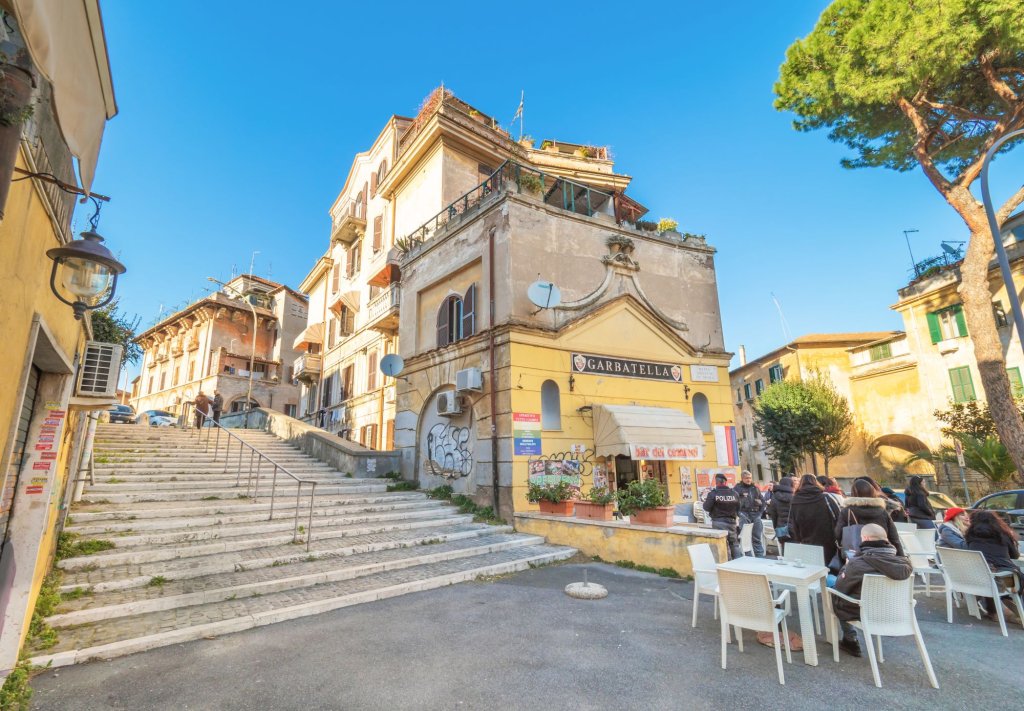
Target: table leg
[[803, 602], [826, 608]]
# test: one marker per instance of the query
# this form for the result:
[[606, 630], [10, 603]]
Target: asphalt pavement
[[519, 642]]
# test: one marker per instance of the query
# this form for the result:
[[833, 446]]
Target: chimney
[[743, 356]]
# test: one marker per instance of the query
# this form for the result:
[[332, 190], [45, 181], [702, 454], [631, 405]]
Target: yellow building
[[44, 434]]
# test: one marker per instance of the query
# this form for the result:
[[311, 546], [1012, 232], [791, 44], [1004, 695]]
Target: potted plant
[[548, 146], [667, 225], [555, 499], [598, 505], [526, 141], [645, 502], [582, 152], [530, 183], [16, 107]]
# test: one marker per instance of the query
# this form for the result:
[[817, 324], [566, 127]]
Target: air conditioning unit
[[101, 364], [449, 403], [469, 379]]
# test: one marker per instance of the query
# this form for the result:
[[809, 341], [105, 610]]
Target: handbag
[[851, 542]]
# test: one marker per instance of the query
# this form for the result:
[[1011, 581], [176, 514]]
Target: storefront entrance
[[627, 470]]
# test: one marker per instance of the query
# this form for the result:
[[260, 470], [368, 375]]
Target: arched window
[[550, 406], [456, 318], [702, 411]]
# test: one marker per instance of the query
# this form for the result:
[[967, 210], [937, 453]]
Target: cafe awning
[[311, 335], [646, 433]]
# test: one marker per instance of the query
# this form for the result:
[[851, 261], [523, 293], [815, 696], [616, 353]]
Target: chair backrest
[[901, 526], [746, 599], [966, 571], [769, 530], [747, 537], [812, 555], [887, 605], [926, 539], [702, 558]]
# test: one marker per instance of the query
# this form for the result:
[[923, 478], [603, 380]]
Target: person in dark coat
[[812, 517], [864, 506], [876, 557], [918, 507], [894, 506], [778, 509], [217, 405], [990, 534], [202, 405], [752, 505], [723, 507]]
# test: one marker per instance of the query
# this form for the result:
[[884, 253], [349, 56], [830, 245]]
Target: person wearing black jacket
[[752, 505], [990, 535], [778, 509], [723, 507], [864, 506], [812, 517], [918, 507]]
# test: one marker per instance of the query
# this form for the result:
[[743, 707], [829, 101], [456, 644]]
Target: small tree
[[985, 455], [109, 325], [787, 417], [835, 421]]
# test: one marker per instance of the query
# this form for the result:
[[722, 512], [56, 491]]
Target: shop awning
[[658, 433], [313, 334]]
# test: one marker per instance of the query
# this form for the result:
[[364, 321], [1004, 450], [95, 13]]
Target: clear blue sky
[[238, 122]]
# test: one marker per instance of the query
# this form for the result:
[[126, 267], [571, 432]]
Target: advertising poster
[[552, 471], [706, 479], [526, 434], [685, 485]]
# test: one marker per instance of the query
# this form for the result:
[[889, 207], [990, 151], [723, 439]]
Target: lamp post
[[993, 225], [87, 271], [252, 354]]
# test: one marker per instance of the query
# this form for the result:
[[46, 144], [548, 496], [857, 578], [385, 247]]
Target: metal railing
[[383, 302], [255, 465]]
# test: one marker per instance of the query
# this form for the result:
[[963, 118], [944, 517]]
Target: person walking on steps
[[723, 507], [752, 505], [218, 405], [202, 405]]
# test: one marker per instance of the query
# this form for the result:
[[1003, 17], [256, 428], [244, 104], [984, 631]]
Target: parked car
[[939, 501], [161, 421], [146, 417], [1008, 504], [123, 414]]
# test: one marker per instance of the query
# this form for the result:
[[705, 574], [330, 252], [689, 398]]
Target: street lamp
[[993, 225], [87, 271], [252, 355]]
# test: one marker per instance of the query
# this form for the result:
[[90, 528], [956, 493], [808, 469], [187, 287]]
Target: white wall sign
[[704, 373]]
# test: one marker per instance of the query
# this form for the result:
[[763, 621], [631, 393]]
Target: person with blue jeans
[[752, 506]]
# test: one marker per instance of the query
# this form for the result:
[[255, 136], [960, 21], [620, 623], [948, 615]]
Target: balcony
[[350, 222], [382, 311], [307, 367]]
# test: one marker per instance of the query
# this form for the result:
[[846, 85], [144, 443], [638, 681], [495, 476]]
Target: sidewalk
[[521, 643]]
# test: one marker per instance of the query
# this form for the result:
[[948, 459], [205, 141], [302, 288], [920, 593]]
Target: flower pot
[[562, 508], [594, 512], [15, 95], [658, 516]]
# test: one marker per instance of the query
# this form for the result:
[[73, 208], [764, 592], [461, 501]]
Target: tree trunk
[[988, 350]]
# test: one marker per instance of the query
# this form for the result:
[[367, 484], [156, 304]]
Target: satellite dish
[[544, 294], [391, 365], [951, 250]]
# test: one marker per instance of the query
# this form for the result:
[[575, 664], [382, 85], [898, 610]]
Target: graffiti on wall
[[449, 451]]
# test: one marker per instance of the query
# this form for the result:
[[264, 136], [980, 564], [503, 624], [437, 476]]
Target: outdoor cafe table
[[801, 580]]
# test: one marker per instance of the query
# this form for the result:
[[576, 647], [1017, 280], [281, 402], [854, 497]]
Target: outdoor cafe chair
[[747, 603], [810, 555], [967, 572], [705, 576], [886, 610], [747, 539], [903, 527], [921, 558]]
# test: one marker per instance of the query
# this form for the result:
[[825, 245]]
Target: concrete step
[[227, 493], [142, 483], [106, 639]]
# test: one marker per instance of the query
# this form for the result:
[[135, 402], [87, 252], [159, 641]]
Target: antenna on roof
[[782, 319], [913, 264], [252, 262]]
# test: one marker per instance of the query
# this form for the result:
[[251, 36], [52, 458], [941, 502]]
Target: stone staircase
[[193, 556]]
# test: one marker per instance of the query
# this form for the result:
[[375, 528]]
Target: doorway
[[627, 470]]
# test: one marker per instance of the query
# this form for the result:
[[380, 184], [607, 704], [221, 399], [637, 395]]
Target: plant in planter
[[526, 141], [667, 224], [598, 505], [530, 183], [645, 502], [16, 107], [583, 152], [647, 225], [548, 146], [556, 499]]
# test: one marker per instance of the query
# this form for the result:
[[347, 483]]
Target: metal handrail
[[256, 458]]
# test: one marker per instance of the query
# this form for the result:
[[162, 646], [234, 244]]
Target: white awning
[[65, 40], [310, 335], [646, 433]]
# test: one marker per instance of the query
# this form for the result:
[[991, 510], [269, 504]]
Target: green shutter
[[963, 385], [1016, 384], [961, 325], [933, 327]]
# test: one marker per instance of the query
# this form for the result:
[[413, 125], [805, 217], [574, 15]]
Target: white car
[[161, 421]]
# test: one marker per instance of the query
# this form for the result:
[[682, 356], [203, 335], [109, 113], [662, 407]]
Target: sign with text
[[704, 373], [526, 434], [626, 368], [664, 452]]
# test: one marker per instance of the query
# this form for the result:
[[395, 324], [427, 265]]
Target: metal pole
[[913, 264], [993, 225]]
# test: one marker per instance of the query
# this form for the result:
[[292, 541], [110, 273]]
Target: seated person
[[953, 528], [877, 557]]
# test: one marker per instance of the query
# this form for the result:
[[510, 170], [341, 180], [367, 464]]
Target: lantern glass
[[85, 278]]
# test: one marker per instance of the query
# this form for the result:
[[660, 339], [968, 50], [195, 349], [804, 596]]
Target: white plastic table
[[801, 580]]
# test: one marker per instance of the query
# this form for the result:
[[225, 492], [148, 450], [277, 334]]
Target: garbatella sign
[[626, 368]]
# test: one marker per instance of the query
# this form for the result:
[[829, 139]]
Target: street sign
[[959, 452]]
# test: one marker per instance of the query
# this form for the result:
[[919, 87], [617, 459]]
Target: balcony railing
[[382, 311], [350, 221], [307, 367]]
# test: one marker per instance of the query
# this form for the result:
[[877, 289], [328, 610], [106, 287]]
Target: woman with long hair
[[893, 506], [990, 534], [953, 528], [918, 507], [812, 517]]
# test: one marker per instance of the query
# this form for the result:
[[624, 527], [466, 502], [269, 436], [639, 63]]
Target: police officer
[[752, 505], [723, 506]]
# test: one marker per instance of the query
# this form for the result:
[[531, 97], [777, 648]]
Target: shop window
[[550, 406], [456, 318], [702, 412]]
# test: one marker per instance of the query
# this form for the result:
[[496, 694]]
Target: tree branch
[[961, 112], [921, 146], [1010, 205], [1000, 87], [1011, 122]]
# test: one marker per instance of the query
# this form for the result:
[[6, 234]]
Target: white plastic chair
[[967, 572], [705, 576], [747, 603], [747, 539], [905, 527], [886, 610], [811, 555], [920, 558]]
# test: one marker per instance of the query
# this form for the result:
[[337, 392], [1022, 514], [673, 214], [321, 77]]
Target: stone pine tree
[[835, 420], [930, 84], [787, 417]]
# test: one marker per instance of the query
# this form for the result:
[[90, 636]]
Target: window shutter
[[371, 368], [378, 233], [442, 324], [933, 327], [1016, 383], [366, 195], [469, 312], [373, 184], [961, 324], [335, 277]]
